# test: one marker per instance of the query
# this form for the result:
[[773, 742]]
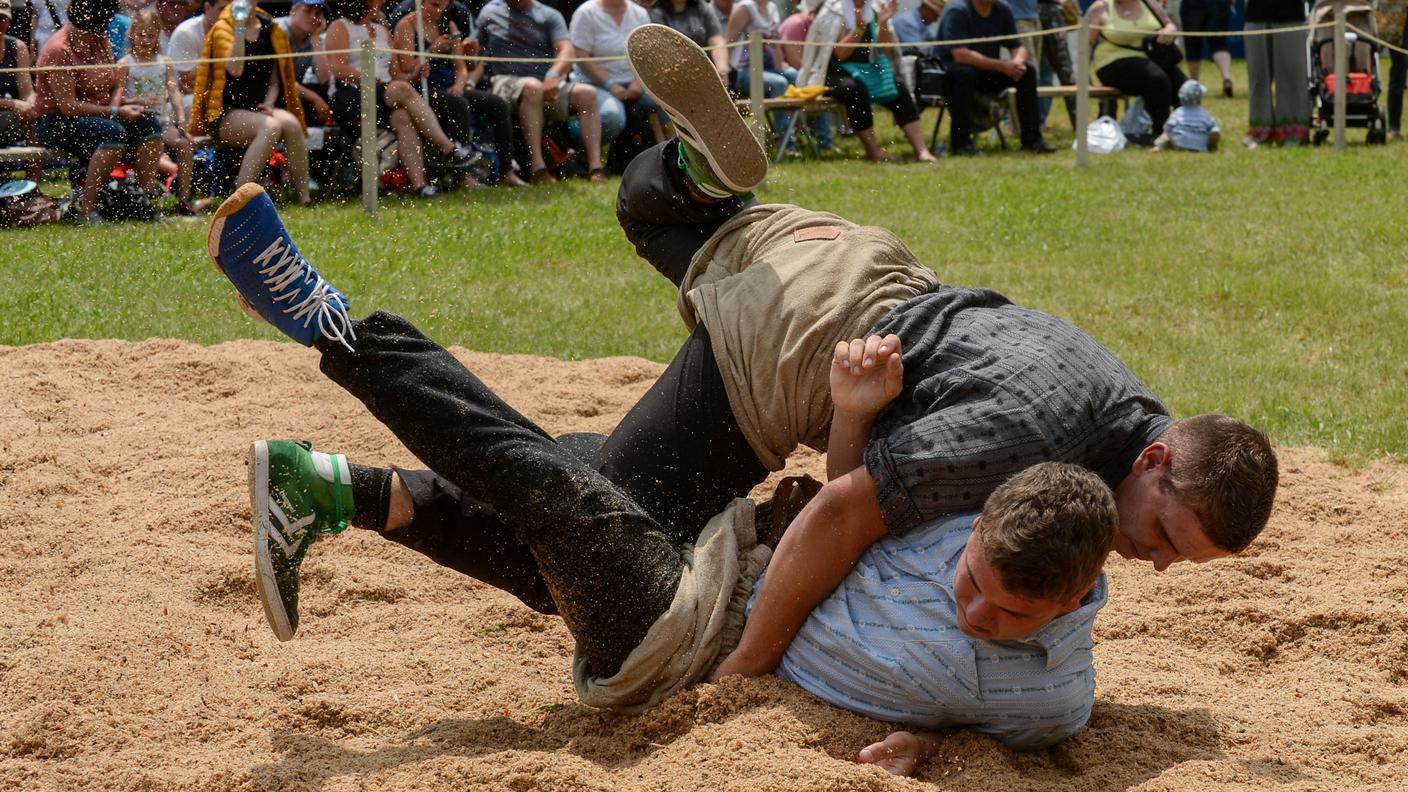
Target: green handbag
[[876, 74]]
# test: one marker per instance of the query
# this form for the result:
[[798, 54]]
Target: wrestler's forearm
[[819, 549], [845, 446]]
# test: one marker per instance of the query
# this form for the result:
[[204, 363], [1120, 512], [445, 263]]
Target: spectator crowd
[[557, 97]]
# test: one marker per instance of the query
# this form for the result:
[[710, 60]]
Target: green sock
[[696, 167]]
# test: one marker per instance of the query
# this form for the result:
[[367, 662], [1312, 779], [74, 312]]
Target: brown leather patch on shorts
[[815, 232]]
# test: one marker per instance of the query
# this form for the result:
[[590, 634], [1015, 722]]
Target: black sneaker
[[462, 157], [1038, 146]]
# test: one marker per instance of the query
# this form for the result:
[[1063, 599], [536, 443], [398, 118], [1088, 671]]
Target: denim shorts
[[82, 136]]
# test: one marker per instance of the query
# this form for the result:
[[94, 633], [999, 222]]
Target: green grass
[[1267, 284]]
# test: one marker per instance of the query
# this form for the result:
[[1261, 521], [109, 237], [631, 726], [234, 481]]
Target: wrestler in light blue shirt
[[886, 644]]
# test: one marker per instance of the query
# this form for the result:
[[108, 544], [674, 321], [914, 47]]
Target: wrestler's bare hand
[[899, 753], [866, 375]]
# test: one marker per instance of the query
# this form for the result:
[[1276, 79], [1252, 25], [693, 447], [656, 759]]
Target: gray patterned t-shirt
[[992, 388]]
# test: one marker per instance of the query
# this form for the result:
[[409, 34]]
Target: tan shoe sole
[[682, 79]]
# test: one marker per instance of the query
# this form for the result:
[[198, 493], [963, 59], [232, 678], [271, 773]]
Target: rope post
[[1341, 74], [370, 156], [755, 82], [1082, 91]]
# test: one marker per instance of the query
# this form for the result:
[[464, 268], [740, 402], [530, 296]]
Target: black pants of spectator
[[1139, 76], [855, 97], [1397, 78], [1056, 56], [456, 115], [965, 82], [452, 111], [500, 114], [11, 128]]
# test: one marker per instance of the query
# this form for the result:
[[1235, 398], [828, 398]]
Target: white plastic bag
[[1103, 136]]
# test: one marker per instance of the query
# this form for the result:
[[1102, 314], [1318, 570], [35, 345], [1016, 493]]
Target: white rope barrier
[[733, 45], [1364, 34]]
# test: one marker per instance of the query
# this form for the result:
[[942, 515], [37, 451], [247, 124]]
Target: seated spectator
[[920, 23], [188, 42], [530, 29], [16, 90], [452, 96], [49, 16], [147, 78], [599, 29], [981, 68], [794, 29], [747, 17], [304, 27], [22, 23], [865, 24], [1055, 61], [74, 110], [694, 19], [172, 14], [238, 101], [117, 34], [1191, 127], [1120, 60], [397, 103]]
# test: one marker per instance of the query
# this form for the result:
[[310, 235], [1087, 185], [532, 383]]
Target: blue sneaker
[[249, 244]]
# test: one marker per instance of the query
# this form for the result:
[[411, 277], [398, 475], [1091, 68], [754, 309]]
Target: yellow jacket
[[206, 106]]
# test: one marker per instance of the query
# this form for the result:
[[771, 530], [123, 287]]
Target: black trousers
[[456, 115], [1139, 76], [964, 82], [587, 527], [855, 97]]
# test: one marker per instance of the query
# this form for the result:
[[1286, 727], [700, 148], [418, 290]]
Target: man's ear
[[1153, 457]]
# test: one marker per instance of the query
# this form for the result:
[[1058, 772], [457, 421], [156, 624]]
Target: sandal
[[771, 519]]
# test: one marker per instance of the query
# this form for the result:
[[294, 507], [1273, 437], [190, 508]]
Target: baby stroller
[[1363, 87]]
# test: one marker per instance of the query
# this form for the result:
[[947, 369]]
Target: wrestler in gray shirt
[[991, 388]]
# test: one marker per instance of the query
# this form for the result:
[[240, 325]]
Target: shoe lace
[[285, 272]]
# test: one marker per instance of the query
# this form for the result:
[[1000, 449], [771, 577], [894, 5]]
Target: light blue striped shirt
[[886, 644]]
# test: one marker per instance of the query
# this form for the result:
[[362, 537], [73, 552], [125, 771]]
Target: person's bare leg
[[530, 118], [148, 159], [401, 95], [408, 146], [102, 163], [872, 148], [1223, 59], [296, 149], [185, 158], [914, 132], [257, 133], [402, 509], [583, 103]]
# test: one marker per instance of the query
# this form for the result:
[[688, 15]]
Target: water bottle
[[239, 10]]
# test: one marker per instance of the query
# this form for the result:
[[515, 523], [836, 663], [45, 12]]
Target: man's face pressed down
[[986, 609], [1155, 525]]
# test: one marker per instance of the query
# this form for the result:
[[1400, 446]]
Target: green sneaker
[[296, 494]]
